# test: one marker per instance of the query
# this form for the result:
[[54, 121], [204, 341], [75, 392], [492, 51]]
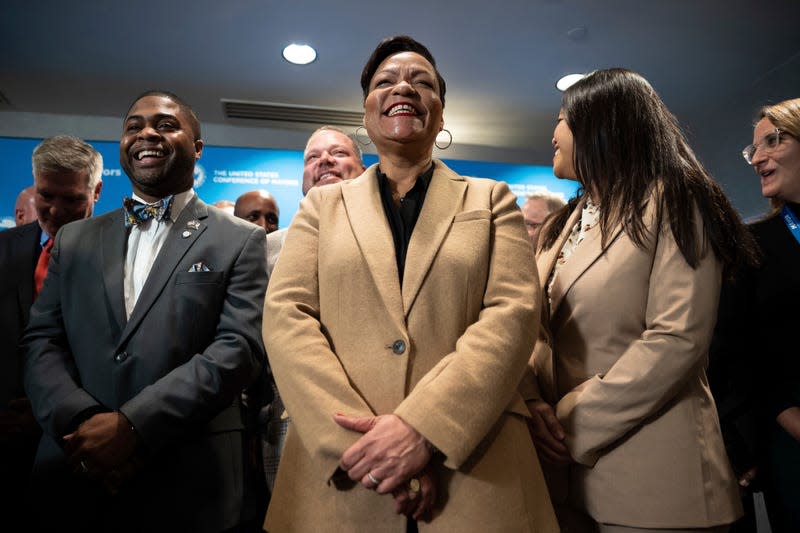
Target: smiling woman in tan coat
[[398, 322], [631, 271]]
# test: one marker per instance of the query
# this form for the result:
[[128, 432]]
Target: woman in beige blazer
[[631, 271], [398, 323]]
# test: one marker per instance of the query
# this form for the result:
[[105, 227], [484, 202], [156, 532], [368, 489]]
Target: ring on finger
[[375, 482], [84, 468], [413, 488]]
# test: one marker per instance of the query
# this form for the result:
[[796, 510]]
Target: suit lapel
[[113, 236], [442, 200], [583, 257], [172, 251], [362, 202], [546, 259]]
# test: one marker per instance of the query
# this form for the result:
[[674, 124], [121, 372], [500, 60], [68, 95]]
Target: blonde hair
[[786, 117], [64, 153]]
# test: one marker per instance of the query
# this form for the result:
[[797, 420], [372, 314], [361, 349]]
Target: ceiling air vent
[[290, 113]]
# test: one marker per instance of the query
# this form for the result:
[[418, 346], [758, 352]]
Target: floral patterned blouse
[[589, 218]]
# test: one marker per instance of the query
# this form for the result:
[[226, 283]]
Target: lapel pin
[[193, 224], [186, 234]]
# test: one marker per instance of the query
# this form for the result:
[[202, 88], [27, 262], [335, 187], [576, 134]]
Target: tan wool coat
[[622, 355], [445, 353]]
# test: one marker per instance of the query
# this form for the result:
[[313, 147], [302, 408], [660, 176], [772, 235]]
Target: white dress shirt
[[144, 243]]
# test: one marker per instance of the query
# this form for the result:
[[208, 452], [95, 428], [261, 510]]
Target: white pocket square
[[199, 267]]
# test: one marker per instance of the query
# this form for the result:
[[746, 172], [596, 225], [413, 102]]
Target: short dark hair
[[395, 45], [186, 108]]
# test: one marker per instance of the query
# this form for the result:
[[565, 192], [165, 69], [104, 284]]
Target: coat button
[[399, 346], [120, 357]]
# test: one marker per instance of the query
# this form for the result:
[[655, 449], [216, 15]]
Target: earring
[[449, 142], [357, 135]]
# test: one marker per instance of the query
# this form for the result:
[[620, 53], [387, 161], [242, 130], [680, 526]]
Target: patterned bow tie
[[137, 212]]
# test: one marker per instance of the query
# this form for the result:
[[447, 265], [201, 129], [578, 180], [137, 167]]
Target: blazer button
[[399, 347], [120, 357]]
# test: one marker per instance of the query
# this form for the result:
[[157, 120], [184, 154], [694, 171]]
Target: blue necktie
[[137, 212]]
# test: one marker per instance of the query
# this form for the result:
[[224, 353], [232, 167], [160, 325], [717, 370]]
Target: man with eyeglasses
[[536, 209]]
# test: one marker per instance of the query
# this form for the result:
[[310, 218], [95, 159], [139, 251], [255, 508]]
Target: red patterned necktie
[[41, 266]]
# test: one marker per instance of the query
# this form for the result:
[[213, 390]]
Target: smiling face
[[63, 197], [563, 146], [403, 104], [329, 157], [778, 168], [158, 148]]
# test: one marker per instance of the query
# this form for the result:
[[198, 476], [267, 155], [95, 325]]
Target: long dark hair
[[626, 142]]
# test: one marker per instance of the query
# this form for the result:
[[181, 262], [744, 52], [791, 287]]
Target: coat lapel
[[362, 200], [546, 259], [445, 195], [584, 255], [172, 251], [114, 237]]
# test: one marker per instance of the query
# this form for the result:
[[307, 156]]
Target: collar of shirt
[[179, 202], [420, 186]]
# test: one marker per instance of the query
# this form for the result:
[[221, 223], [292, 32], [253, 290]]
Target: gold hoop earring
[[358, 136], [449, 142]]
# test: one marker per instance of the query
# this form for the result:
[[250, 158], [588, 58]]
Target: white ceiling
[[714, 62]]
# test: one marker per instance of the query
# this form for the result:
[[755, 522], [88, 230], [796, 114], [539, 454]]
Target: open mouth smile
[[328, 175], [401, 109], [148, 153]]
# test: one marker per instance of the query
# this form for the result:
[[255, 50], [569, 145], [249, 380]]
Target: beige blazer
[[445, 353], [622, 356]]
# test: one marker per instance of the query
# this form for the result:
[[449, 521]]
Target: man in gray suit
[[330, 156], [146, 332]]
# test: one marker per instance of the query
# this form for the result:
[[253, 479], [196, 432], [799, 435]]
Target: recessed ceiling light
[[567, 81], [299, 54]]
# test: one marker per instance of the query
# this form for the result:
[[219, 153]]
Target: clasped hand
[[390, 452], [547, 433], [102, 448]]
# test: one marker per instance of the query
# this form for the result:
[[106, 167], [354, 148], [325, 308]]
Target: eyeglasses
[[767, 144]]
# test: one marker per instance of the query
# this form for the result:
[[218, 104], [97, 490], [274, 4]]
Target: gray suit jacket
[[176, 369]]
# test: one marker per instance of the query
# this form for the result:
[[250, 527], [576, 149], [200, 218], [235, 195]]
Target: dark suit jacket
[[176, 369], [754, 368], [19, 251]]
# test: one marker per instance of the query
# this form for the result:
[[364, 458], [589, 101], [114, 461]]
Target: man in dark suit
[[67, 183], [146, 333]]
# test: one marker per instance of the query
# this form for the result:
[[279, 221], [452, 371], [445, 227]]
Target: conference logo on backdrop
[[199, 175]]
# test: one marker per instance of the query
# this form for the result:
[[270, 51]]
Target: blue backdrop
[[225, 173]]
